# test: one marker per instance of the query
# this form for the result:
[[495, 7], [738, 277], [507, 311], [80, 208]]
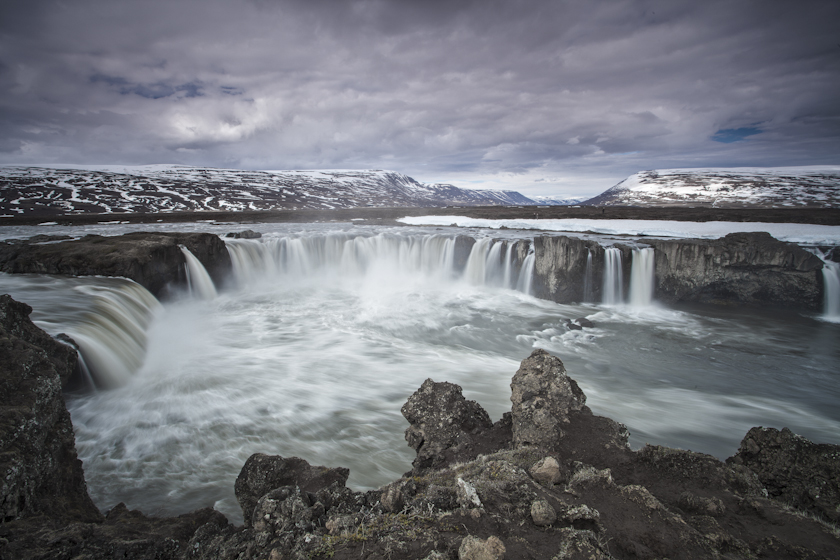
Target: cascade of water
[[831, 298], [489, 262], [642, 279], [198, 279], [831, 285], [613, 289], [506, 280], [587, 278], [112, 336], [493, 273], [526, 274], [476, 270], [340, 254]]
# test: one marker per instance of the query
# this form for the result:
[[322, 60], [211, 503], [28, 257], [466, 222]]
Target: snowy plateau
[[768, 187], [49, 191]]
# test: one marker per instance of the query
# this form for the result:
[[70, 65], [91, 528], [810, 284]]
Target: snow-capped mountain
[[49, 191], [557, 200], [768, 187]]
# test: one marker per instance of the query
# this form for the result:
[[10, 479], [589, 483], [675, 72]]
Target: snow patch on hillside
[[772, 187], [75, 189]]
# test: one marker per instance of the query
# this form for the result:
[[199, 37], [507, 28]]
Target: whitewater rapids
[[306, 353]]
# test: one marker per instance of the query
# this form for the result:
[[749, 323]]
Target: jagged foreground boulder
[[549, 480]]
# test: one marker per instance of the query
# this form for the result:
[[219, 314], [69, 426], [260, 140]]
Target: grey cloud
[[425, 87]]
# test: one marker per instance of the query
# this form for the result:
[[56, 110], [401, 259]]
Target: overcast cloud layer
[[544, 97]]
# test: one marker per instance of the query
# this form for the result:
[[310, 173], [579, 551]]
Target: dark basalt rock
[[794, 470], [39, 471], [742, 268], [245, 234], [543, 397], [442, 420], [153, 260], [263, 473]]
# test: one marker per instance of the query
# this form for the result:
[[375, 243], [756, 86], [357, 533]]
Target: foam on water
[[325, 335]]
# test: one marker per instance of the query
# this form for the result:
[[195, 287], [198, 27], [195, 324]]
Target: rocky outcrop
[[153, 260], [263, 473], [543, 398], [794, 470], [549, 480], [39, 471], [443, 424], [741, 268], [751, 268]]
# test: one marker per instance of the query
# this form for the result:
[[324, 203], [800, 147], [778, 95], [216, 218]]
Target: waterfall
[[831, 298], [508, 268], [198, 279], [642, 278], [613, 292], [526, 274], [831, 284], [112, 335], [342, 255], [490, 262], [476, 270], [587, 278]]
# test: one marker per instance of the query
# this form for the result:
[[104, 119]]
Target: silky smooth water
[[307, 354]]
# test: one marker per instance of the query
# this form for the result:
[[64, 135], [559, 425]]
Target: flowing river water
[[322, 332]]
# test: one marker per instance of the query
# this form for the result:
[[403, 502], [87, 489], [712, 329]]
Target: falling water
[[831, 285], [831, 297], [112, 336], [490, 262], [587, 278], [526, 274], [508, 269], [642, 278], [476, 269], [613, 277], [199, 280]]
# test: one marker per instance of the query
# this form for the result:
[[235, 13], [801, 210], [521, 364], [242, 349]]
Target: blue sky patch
[[730, 135]]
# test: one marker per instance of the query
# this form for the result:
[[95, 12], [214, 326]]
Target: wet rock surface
[[577, 492], [153, 260]]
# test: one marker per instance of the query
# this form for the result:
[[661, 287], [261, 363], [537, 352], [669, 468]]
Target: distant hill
[[740, 187], [557, 200], [50, 191]]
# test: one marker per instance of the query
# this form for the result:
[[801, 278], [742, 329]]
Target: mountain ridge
[[735, 187], [72, 189]]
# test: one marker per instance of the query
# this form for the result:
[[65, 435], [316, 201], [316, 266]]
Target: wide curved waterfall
[[490, 262], [324, 331]]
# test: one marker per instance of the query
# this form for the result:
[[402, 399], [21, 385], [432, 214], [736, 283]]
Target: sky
[[546, 97]]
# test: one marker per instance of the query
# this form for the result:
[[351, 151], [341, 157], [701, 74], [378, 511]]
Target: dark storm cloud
[[556, 93]]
